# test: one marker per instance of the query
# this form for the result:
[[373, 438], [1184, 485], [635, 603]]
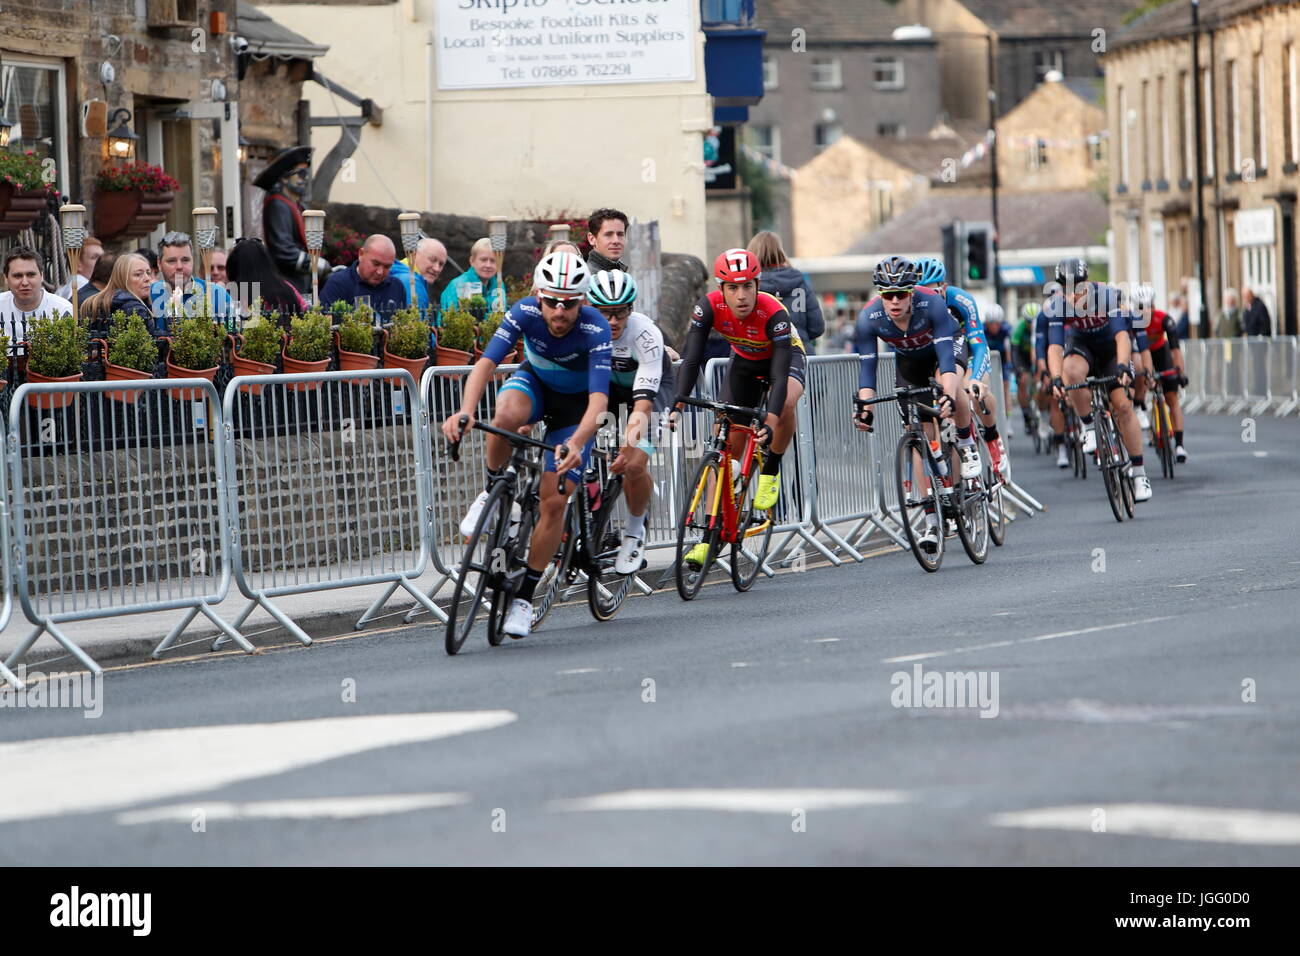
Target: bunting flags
[[770, 166]]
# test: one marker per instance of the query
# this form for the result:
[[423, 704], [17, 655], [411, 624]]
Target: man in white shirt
[[91, 251], [26, 302]]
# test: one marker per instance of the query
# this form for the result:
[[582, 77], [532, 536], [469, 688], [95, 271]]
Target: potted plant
[[131, 200], [406, 342], [22, 191], [131, 354], [195, 353], [355, 341], [4, 357], [255, 349], [56, 350], [308, 347], [456, 338]]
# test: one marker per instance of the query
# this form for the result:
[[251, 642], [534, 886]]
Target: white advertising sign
[[482, 44]]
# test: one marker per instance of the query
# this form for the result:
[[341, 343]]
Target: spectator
[[607, 236], [1229, 324], [178, 292], [562, 245], [1255, 320], [127, 290], [430, 258], [99, 278], [91, 251], [369, 277], [253, 275], [150, 257], [790, 286], [479, 279], [26, 302], [217, 268]]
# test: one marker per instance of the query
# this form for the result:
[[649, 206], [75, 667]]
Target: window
[[826, 133], [1207, 119], [1162, 107], [1186, 124], [882, 195], [1260, 140], [891, 130], [1047, 60], [1290, 126], [1040, 153], [736, 12], [769, 72], [33, 94], [1121, 121], [887, 72], [825, 73], [1096, 149], [1234, 127], [765, 139], [1145, 122]]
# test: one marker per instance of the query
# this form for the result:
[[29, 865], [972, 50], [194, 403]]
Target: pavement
[[1131, 703]]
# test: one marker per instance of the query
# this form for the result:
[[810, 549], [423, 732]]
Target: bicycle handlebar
[[723, 407], [899, 395]]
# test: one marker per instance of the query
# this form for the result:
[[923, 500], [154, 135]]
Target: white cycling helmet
[[993, 313], [563, 275]]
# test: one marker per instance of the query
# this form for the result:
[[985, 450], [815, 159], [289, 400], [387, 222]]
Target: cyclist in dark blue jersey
[[926, 344], [564, 381], [1088, 334]]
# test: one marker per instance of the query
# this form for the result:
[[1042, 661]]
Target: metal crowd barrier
[[1194, 396], [1238, 374], [118, 505], [330, 482], [6, 561], [1010, 490]]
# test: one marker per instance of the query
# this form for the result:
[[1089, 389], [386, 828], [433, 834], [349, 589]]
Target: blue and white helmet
[[932, 271], [612, 287], [562, 275]]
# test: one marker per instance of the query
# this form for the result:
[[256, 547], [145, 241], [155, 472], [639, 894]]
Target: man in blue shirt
[[430, 257], [178, 293], [368, 277], [564, 381]]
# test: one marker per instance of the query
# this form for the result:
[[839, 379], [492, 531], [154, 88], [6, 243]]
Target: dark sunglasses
[[893, 294], [554, 303], [618, 314]]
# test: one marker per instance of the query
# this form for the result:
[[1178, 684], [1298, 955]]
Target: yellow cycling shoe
[[769, 489], [697, 555]]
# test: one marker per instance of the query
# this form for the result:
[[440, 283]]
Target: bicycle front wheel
[[912, 504], [753, 533], [697, 526], [997, 516], [479, 567], [1109, 464], [971, 512], [559, 573], [606, 588]]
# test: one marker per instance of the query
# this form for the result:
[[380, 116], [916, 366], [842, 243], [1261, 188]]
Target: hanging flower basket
[[19, 208], [130, 201]]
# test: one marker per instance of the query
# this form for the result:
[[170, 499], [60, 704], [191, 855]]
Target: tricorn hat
[[284, 161]]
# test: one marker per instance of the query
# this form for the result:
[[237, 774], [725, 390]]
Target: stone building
[[1250, 149], [1055, 138]]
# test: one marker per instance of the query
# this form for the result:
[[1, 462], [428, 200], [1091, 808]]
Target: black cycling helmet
[[1071, 271], [895, 273]]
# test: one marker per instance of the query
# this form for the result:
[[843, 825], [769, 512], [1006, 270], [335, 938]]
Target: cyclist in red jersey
[[1165, 355]]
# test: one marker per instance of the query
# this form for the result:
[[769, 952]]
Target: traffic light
[[979, 253], [951, 249]]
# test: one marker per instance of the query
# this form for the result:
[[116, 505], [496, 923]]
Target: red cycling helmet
[[736, 265]]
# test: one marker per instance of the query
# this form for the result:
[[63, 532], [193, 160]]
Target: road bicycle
[[993, 481], [1111, 459], [1162, 423], [496, 550], [923, 470], [720, 510]]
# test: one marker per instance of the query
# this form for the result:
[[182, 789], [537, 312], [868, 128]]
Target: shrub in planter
[[261, 341], [406, 343], [132, 353], [4, 360], [56, 349], [488, 328], [308, 348], [340, 310], [356, 334], [195, 353], [456, 333]]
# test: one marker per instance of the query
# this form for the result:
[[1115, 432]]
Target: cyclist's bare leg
[[784, 430], [514, 408], [1074, 371], [1126, 421], [550, 523]]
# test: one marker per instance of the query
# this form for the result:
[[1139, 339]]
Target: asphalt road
[[1121, 653]]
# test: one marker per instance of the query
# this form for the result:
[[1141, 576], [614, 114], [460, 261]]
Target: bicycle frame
[[724, 506]]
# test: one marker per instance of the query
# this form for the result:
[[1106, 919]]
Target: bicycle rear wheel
[[1109, 464], [606, 588], [1166, 437], [513, 554], [479, 567], [911, 455], [993, 491], [696, 526], [753, 533], [970, 511]]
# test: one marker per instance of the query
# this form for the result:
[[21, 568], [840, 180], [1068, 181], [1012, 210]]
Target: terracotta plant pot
[[448, 356], [415, 366], [294, 366], [120, 215], [355, 361], [188, 394], [53, 400], [19, 208], [244, 366], [120, 373]]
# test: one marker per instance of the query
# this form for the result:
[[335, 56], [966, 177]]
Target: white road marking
[[740, 663], [1192, 585], [580, 670], [1002, 613], [732, 801], [318, 808], [1260, 454], [826, 640], [1024, 640], [1167, 821], [95, 772]]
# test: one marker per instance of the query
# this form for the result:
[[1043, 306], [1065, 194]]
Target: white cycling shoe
[[929, 540], [630, 553], [470, 521], [1144, 420], [1141, 488], [1089, 440], [1062, 456], [519, 619], [971, 466], [1180, 454]]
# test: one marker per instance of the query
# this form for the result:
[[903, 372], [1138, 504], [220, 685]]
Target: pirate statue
[[286, 180]]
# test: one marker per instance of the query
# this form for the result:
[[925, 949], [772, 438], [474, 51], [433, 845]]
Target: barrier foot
[[411, 589], [376, 605], [175, 632], [641, 585], [842, 544], [276, 613], [71, 647], [895, 536], [812, 540], [10, 677], [433, 591], [1019, 493], [227, 629], [1285, 409], [21, 650]]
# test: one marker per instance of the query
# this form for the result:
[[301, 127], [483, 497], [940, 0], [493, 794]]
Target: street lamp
[[314, 232], [409, 224], [497, 233], [120, 142], [205, 235], [72, 221]]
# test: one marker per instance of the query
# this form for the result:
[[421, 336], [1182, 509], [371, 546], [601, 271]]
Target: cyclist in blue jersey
[[926, 343], [1088, 334], [966, 314], [564, 381]]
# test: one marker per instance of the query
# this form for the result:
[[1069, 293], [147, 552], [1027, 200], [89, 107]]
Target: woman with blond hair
[[482, 272], [789, 285], [127, 291]]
